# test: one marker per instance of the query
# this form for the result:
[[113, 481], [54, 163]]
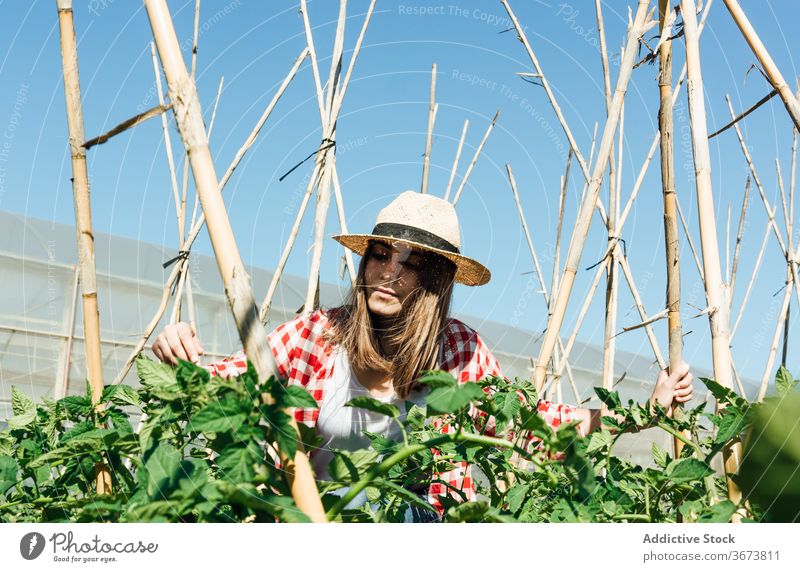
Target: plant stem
[[678, 435], [384, 466]]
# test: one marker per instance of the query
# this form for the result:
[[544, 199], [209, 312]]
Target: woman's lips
[[386, 292]]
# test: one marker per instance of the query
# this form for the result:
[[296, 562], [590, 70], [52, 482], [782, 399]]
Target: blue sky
[[381, 137]]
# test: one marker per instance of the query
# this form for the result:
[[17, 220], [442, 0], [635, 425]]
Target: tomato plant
[[205, 450]]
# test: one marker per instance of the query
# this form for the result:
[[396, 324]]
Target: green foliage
[[205, 450]]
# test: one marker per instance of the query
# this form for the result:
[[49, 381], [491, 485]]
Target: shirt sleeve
[[283, 341]]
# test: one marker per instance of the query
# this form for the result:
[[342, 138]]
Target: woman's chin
[[383, 309]]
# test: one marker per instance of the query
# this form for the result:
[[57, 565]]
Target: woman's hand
[[673, 389], [177, 341]]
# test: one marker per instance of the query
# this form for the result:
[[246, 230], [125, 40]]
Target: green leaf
[[449, 399], [6, 443], [610, 398], [281, 507], [731, 423], [784, 382], [437, 378], [599, 440], [660, 456], [476, 511], [120, 394], [76, 405], [8, 473], [374, 405], [162, 468], [77, 429], [723, 394], [24, 410], [516, 496], [227, 414], [21, 403], [349, 466], [508, 405], [297, 396], [686, 470], [281, 430], [95, 441], [190, 377], [158, 378], [415, 416], [236, 464], [720, 512]]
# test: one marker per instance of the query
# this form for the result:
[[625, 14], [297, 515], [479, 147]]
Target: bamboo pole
[[337, 192], [770, 69], [783, 315], [588, 206], [671, 241], [715, 288], [752, 280], [548, 298], [455, 161], [612, 280], [475, 157], [83, 217], [689, 238], [770, 209], [63, 386], [738, 247], [426, 163], [189, 118]]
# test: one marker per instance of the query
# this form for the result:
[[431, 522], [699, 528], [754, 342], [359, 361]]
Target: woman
[[393, 324]]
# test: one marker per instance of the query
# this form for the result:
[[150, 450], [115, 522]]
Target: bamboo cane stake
[[183, 278], [125, 125], [770, 69], [562, 203], [188, 115], [657, 136], [770, 209], [323, 190], [626, 272], [426, 163], [727, 275], [609, 340], [689, 238], [786, 220], [455, 161], [63, 387], [585, 306], [752, 280], [267, 303], [738, 247], [83, 216], [588, 206], [337, 192], [671, 240], [356, 50], [167, 143], [475, 157], [715, 288], [548, 299], [783, 314]]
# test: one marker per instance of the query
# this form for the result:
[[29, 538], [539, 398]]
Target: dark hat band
[[413, 234]]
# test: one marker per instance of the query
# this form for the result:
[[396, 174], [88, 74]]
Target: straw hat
[[425, 222]]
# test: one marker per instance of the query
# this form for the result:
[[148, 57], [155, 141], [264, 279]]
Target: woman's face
[[391, 275]]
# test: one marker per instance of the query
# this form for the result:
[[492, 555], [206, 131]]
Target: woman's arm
[[671, 389]]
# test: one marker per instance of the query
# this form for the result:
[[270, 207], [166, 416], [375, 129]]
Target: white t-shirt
[[343, 427]]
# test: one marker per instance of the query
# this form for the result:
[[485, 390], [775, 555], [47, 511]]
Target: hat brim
[[468, 271]]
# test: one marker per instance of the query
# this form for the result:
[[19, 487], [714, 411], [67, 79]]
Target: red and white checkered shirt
[[305, 358]]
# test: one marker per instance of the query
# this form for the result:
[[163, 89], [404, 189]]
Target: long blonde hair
[[416, 332]]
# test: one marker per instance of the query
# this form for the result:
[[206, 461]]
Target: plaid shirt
[[305, 358]]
